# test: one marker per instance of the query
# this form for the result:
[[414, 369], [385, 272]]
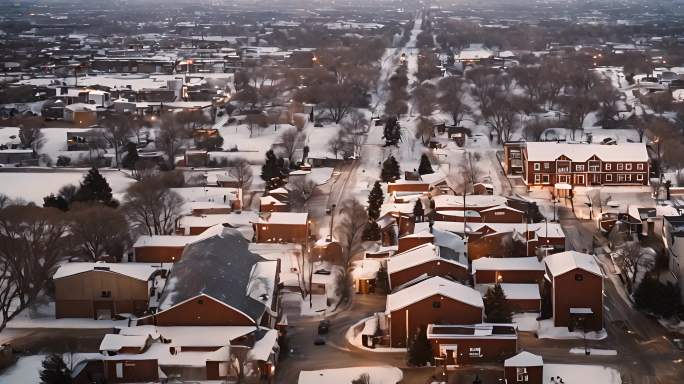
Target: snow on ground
[[378, 375], [581, 374], [546, 330], [526, 322], [54, 144], [354, 336], [44, 317], [16, 184], [26, 370], [594, 351], [253, 148]]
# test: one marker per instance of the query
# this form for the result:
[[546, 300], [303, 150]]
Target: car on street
[[323, 327]]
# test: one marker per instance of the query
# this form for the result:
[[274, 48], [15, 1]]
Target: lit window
[[536, 166], [475, 352]]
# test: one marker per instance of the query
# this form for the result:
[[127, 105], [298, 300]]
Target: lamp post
[[332, 220]]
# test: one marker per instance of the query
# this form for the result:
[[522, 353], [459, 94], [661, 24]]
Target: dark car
[[323, 327]]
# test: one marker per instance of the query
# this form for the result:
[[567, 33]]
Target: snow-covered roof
[[190, 336], [581, 152], [507, 264], [365, 269], [560, 263], [498, 207], [163, 241], [294, 218], [138, 271], [460, 213], [550, 230], [114, 343], [416, 256], [433, 286], [210, 220], [262, 348], [524, 359], [379, 375], [474, 54], [471, 201], [270, 200], [515, 291]]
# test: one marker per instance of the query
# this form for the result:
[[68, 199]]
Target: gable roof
[[430, 287], [560, 263], [581, 152], [220, 267], [137, 271], [524, 359], [507, 264], [416, 256]]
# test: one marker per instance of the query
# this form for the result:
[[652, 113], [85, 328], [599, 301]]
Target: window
[[536, 166], [640, 167], [579, 277], [608, 167], [545, 179], [580, 167], [106, 294], [628, 177], [499, 213], [200, 301], [620, 178], [640, 177], [436, 304], [119, 370], [628, 167], [609, 177], [537, 178], [546, 165], [620, 166], [521, 375], [475, 352]]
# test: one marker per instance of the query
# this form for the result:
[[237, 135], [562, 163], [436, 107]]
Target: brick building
[[426, 259]]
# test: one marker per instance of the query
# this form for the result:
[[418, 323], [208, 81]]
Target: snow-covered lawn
[[33, 186], [581, 374], [526, 322], [26, 370], [594, 351], [546, 330], [378, 375]]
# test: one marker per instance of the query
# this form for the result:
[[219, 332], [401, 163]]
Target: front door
[[579, 180], [596, 179], [449, 351]]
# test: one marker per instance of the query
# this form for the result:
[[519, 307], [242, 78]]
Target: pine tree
[[272, 171], [55, 371], [375, 199], [425, 166], [371, 232], [131, 157], [392, 132], [390, 170], [418, 211], [58, 202], [497, 307], [95, 188], [419, 349]]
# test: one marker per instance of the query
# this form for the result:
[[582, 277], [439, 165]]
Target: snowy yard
[[26, 370], [581, 374], [378, 375], [44, 317]]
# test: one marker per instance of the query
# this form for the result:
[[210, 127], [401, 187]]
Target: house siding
[[491, 350], [158, 254], [535, 375], [431, 268], [281, 233], [209, 313], [518, 277], [134, 371], [570, 293], [422, 313]]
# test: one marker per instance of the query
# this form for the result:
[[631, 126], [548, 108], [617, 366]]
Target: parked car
[[323, 327]]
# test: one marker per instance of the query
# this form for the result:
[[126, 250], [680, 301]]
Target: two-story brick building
[[582, 164]]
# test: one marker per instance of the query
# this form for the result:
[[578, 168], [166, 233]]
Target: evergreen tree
[[392, 132], [419, 349], [652, 296], [418, 211], [55, 371], [390, 170], [375, 199], [371, 232], [272, 171], [131, 157], [58, 202], [425, 166], [497, 307], [95, 188]]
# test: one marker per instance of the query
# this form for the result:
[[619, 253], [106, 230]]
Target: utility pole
[[332, 220]]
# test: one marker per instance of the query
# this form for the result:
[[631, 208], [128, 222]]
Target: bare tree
[[338, 143], [152, 207], [143, 169], [33, 241], [337, 100], [290, 140], [450, 98], [98, 230], [30, 133], [634, 260], [256, 122], [350, 228], [499, 115], [301, 190], [425, 130], [116, 129], [9, 292], [578, 106], [659, 102], [241, 171], [171, 137], [424, 97]]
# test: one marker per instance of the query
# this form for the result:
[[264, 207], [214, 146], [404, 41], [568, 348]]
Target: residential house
[[517, 270], [582, 164], [524, 368], [455, 344], [430, 301], [423, 184], [673, 238], [575, 282], [271, 204], [282, 227], [160, 248], [426, 260], [103, 290]]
